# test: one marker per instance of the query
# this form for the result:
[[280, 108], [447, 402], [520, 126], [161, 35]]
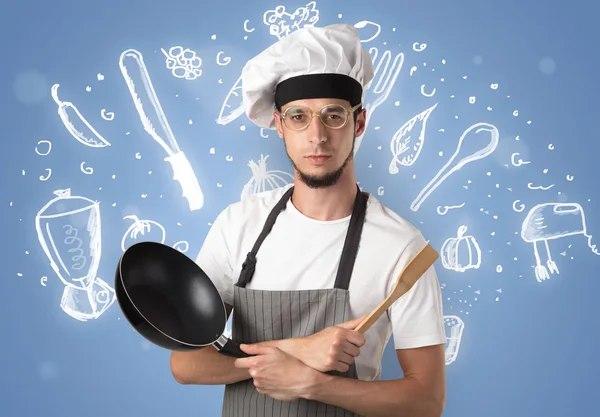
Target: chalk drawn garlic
[[461, 253], [149, 229], [263, 179]]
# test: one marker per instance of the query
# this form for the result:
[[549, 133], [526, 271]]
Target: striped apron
[[261, 315]]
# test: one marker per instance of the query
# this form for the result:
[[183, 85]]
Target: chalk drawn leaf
[[233, 105], [408, 140]]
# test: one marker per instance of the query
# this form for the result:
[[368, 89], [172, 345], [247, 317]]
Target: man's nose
[[317, 132]]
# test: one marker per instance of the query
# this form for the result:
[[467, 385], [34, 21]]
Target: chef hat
[[312, 62]]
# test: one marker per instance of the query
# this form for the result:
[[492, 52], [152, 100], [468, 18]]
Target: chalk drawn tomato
[[145, 230]]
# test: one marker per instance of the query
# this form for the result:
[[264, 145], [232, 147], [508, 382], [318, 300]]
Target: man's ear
[[361, 121], [277, 119]]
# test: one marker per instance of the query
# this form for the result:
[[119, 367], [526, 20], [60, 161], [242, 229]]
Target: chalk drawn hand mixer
[[485, 143], [144, 97], [421, 262]]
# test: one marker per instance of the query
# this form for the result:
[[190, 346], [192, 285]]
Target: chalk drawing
[[461, 252], [148, 229], [549, 221], [144, 97], [263, 179], [282, 23], [183, 63], [408, 141], [454, 327], [477, 142], [76, 124], [384, 79]]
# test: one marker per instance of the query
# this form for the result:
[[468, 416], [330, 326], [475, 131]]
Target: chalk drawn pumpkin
[[461, 253]]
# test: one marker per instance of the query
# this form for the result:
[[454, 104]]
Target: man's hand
[[333, 348], [276, 373]]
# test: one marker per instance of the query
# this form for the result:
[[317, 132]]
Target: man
[[302, 265]]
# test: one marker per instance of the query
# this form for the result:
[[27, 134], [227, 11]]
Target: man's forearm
[[206, 367], [391, 398], [209, 367]]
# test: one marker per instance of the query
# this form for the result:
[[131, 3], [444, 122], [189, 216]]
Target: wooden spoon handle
[[375, 314], [417, 266]]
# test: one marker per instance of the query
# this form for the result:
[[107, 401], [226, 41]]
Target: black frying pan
[[171, 301]]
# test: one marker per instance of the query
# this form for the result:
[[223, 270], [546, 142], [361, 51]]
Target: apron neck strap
[[349, 252], [250, 263]]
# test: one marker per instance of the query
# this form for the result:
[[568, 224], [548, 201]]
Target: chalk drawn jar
[[453, 326], [68, 229]]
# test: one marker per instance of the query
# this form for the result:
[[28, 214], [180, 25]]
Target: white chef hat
[[312, 62]]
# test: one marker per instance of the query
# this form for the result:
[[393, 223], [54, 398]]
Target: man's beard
[[325, 180]]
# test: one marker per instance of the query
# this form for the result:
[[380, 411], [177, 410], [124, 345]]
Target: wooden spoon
[[405, 281]]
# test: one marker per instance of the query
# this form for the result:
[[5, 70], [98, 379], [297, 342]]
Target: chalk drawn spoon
[[483, 137]]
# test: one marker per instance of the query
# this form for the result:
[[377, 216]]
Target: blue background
[[528, 348]]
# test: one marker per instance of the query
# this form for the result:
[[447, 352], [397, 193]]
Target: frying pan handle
[[232, 348]]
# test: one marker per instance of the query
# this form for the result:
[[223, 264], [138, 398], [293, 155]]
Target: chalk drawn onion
[[263, 179]]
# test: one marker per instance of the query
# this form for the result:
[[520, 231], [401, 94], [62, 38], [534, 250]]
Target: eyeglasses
[[333, 116]]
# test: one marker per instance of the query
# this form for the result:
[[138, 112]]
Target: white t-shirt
[[302, 253]]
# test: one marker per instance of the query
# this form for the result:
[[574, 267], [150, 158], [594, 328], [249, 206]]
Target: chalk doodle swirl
[[71, 239]]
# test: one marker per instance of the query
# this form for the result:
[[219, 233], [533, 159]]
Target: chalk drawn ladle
[[481, 136]]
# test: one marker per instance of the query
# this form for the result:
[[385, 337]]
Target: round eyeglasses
[[333, 116]]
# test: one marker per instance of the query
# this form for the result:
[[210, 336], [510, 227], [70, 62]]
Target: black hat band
[[309, 86]]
